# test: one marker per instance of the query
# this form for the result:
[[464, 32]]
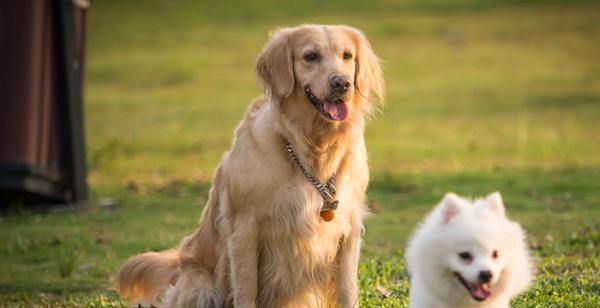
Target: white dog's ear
[[368, 75], [450, 206], [275, 65], [494, 202]]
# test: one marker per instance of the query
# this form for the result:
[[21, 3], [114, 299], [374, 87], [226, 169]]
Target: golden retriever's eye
[[311, 56], [347, 55]]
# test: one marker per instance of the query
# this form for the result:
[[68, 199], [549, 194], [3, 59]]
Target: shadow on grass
[[566, 101], [523, 189]]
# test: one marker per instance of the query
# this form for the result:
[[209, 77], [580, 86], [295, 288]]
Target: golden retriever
[[265, 238]]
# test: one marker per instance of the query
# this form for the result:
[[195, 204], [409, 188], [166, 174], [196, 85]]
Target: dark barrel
[[42, 146]]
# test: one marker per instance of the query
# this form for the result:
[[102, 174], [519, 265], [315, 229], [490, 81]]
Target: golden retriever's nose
[[339, 84]]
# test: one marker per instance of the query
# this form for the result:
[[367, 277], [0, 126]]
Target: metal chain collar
[[326, 190]]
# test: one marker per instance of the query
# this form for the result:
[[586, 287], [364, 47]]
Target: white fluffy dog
[[468, 254]]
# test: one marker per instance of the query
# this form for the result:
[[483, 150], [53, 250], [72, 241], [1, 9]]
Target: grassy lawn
[[480, 97]]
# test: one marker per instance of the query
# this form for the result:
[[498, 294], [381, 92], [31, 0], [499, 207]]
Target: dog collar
[[326, 190]]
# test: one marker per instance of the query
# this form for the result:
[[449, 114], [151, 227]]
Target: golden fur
[[261, 241]]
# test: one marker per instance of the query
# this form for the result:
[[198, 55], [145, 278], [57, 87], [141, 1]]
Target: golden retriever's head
[[329, 71]]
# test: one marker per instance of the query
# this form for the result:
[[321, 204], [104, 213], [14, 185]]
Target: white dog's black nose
[[339, 84], [485, 276]]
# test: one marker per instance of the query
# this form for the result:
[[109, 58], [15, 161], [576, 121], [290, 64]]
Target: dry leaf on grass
[[383, 291]]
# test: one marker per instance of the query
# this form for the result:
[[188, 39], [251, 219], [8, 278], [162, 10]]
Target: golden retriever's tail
[[144, 278]]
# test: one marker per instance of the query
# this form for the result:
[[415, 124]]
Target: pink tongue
[[336, 111], [481, 292]]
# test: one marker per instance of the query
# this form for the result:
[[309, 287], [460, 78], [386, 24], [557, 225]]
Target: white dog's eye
[[495, 254], [465, 256], [347, 55]]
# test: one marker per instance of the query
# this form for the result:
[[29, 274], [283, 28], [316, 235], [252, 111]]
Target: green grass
[[481, 96]]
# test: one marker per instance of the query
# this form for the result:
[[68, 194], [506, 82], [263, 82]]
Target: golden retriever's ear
[[368, 75], [275, 66]]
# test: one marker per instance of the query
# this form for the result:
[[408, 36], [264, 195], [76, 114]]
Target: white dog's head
[[479, 242], [470, 251]]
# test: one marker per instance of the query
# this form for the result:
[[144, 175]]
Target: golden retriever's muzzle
[[333, 107]]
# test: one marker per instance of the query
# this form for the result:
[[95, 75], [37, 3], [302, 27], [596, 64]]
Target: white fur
[[479, 227]]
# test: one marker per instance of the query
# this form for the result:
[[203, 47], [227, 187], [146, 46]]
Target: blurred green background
[[481, 96]]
